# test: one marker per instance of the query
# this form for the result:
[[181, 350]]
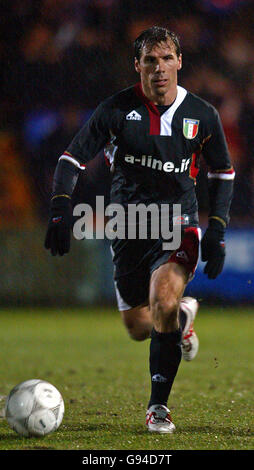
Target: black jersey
[[154, 155]]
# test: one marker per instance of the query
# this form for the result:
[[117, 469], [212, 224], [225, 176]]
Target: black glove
[[213, 248], [58, 236]]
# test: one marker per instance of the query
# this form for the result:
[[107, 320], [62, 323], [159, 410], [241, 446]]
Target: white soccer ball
[[34, 408]]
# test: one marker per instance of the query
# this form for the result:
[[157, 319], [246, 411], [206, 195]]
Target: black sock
[[165, 357]]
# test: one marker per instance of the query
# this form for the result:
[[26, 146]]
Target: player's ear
[[136, 65], [180, 62]]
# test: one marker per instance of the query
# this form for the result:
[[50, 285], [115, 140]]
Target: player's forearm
[[65, 179], [220, 195]]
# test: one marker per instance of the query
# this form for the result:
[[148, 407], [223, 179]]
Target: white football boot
[[158, 419], [190, 342]]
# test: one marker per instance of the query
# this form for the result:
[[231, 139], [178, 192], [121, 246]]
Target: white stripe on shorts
[[122, 305]]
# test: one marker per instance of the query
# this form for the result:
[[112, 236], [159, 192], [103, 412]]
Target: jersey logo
[[159, 378], [181, 220], [155, 164], [190, 128], [182, 254], [133, 116]]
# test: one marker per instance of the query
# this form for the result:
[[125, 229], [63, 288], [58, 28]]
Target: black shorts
[[135, 260]]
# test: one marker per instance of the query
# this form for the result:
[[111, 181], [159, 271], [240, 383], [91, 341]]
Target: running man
[[153, 134]]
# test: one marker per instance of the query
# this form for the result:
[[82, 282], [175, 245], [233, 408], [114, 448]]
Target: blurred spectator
[[66, 56], [87, 66], [17, 207], [33, 78]]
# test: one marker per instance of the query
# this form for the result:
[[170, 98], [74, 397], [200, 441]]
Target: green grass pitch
[[104, 378]]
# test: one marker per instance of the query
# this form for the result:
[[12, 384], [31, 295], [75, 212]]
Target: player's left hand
[[213, 249]]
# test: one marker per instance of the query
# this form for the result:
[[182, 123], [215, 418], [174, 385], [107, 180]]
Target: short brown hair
[[154, 35]]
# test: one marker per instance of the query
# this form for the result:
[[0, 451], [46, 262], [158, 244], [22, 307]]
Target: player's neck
[[162, 100]]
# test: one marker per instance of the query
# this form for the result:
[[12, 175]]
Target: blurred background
[[59, 60]]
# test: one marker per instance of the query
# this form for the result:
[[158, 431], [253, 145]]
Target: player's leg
[[167, 286], [166, 289]]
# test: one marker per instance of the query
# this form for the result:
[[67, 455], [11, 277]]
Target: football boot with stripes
[[190, 343], [158, 419]]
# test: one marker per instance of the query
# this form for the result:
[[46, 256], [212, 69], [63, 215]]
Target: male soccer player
[[153, 134]]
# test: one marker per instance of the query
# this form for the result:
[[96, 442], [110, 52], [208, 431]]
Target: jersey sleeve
[[220, 170]]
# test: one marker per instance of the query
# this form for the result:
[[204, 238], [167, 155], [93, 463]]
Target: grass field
[[104, 379]]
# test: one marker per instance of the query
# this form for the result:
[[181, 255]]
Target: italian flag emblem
[[190, 128]]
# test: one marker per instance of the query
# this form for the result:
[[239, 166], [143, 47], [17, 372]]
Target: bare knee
[[165, 312], [138, 322], [165, 306], [167, 285], [139, 334]]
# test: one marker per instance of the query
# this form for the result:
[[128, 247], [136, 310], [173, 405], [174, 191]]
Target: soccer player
[[153, 134]]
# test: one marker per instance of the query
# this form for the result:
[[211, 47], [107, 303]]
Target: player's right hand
[[58, 236]]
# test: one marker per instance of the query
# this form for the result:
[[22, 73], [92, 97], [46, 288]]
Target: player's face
[[158, 69]]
